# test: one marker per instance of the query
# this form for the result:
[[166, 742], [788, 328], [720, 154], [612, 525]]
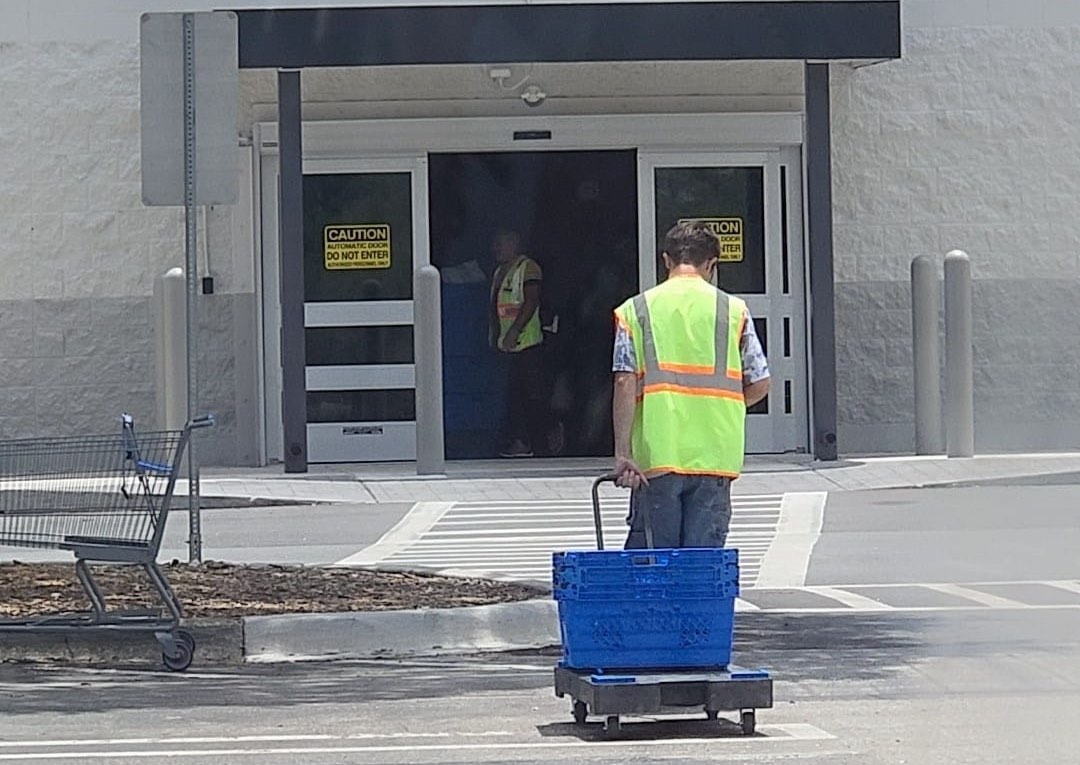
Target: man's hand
[[628, 474], [510, 342]]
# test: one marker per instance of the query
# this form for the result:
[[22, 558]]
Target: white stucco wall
[[969, 141]]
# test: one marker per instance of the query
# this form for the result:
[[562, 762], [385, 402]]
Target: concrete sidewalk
[[571, 479]]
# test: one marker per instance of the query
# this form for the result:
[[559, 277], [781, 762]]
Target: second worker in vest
[[687, 365], [517, 332]]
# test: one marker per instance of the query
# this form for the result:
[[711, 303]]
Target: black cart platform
[[651, 692]]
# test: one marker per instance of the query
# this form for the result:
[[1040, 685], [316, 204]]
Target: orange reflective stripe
[[688, 391], [688, 369], [655, 471], [620, 322]]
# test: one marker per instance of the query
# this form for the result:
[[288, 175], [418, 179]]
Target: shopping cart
[[650, 632], [106, 499]]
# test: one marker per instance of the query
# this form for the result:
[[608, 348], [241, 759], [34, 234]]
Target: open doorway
[[576, 214]]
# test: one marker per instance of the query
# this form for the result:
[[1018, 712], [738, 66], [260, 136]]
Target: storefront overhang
[[813, 31], [577, 32]]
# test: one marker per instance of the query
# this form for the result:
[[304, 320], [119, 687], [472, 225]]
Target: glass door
[[365, 234], [751, 200]]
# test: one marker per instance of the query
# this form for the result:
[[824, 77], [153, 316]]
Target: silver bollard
[[926, 356], [170, 324], [959, 357], [427, 326]]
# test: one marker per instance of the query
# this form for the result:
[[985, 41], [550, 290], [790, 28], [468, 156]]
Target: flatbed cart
[[611, 692]]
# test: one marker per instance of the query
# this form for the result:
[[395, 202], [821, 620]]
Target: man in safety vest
[[516, 331], [687, 365]]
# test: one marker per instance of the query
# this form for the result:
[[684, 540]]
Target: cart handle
[[598, 520]]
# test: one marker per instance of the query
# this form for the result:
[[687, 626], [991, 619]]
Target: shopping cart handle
[[206, 421]]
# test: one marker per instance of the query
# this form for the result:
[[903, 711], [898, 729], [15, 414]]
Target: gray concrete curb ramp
[[387, 634]]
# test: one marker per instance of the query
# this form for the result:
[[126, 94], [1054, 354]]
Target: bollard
[[427, 326], [926, 357], [959, 357], [170, 314]]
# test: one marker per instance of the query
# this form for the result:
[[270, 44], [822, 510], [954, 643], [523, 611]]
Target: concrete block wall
[[970, 141], [79, 253]]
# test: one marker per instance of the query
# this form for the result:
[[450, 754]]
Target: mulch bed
[[225, 590]]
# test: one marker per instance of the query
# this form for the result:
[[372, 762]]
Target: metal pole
[[191, 224], [926, 356], [427, 326], [291, 238], [959, 357]]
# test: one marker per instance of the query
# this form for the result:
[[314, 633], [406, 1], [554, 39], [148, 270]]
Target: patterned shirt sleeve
[[755, 367], [625, 359]]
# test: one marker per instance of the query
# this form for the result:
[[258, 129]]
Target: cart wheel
[[581, 712], [712, 715], [749, 722], [184, 651], [612, 726], [187, 638]]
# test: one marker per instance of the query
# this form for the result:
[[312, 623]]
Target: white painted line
[[919, 609], [421, 517], [849, 599], [765, 734], [297, 737], [550, 531], [1067, 586], [745, 605], [991, 601], [788, 558]]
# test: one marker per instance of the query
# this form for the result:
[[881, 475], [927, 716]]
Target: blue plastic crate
[[646, 609], [645, 574]]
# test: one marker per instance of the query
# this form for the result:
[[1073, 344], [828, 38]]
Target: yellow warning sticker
[[730, 231], [364, 245]]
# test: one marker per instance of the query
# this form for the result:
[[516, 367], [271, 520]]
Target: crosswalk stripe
[[514, 539]]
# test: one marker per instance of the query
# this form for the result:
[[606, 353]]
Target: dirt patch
[[224, 589]]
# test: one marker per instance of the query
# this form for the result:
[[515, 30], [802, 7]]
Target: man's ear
[[667, 261]]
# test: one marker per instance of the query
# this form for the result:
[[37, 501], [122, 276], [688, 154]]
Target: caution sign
[[730, 231], [357, 246]]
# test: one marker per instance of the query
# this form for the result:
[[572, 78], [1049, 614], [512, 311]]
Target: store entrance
[[575, 213]]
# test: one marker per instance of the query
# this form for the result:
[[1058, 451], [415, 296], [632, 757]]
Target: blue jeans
[[684, 511]]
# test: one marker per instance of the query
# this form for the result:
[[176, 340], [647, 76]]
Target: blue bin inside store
[[646, 609]]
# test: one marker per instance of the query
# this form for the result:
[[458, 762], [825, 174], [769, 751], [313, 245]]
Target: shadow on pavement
[[650, 729], [793, 647]]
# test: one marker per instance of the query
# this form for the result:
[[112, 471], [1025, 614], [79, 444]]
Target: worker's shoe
[[516, 449]]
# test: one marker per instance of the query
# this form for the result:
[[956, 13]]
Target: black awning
[[582, 32]]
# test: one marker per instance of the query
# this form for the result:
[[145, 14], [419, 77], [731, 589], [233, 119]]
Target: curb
[[393, 634], [218, 642], [306, 637]]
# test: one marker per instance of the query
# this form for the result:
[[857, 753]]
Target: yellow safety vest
[[691, 413], [508, 302]]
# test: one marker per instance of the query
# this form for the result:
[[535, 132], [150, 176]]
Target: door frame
[[326, 314], [351, 143], [789, 432]]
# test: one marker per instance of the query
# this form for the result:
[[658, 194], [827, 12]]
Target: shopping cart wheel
[[581, 712], [749, 722], [180, 658], [612, 726]]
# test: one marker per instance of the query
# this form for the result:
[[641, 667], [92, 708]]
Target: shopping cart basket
[[106, 499]]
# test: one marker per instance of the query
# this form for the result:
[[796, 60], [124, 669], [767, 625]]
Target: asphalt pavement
[[953, 641]]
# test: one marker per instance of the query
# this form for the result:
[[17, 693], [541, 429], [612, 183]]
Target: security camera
[[533, 95]]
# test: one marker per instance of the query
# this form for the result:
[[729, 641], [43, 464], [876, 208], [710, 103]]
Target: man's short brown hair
[[692, 242]]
